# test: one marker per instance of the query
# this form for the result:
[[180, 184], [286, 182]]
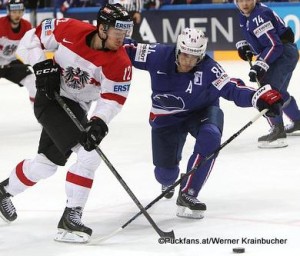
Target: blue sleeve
[[235, 90], [141, 55], [231, 89]]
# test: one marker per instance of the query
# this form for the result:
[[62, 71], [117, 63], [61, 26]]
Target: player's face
[[115, 38], [246, 6], [186, 62], [15, 16]]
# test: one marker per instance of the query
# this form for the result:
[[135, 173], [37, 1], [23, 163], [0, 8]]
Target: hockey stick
[[225, 143], [69, 112], [256, 79]]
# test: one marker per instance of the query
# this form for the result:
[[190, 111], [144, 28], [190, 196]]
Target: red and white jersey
[[87, 75], [9, 39]]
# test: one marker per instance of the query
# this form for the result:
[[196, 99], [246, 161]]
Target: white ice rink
[[251, 194]]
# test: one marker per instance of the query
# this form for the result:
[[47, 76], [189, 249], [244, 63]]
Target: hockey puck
[[238, 250]]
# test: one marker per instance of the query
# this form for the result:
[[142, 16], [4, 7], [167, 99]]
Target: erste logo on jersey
[[121, 88], [48, 27], [76, 78]]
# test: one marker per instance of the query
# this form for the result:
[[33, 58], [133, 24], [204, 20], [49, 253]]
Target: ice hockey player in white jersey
[[12, 29], [90, 65]]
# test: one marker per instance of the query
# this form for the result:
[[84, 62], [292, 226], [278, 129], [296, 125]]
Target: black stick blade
[[170, 234]]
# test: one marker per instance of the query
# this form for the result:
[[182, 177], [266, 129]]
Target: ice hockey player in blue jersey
[[267, 37], [186, 87]]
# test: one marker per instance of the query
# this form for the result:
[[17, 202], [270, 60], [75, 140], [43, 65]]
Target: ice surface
[[251, 193]]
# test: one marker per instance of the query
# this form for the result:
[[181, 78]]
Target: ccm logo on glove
[[267, 98], [47, 71]]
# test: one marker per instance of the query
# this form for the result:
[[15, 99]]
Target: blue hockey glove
[[96, 130], [258, 70], [267, 98], [47, 78], [244, 50]]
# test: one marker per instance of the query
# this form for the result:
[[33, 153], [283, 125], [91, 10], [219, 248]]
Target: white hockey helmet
[[191, 41]]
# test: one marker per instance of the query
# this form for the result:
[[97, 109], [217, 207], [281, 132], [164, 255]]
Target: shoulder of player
[[72, 30], [161, 54], [260, 14], [4, 21], [72, 24], [115, 64], [162, 48], [25, 24], [119, 58], [207, 63]]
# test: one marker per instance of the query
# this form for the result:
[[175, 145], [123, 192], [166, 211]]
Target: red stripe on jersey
[[190, 178], [79, 180], [21, 176], [112, 96]]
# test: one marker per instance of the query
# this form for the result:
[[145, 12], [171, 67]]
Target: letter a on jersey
[[189, 88]]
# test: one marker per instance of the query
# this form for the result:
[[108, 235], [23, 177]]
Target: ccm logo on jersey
[[47, 71], [121, 88]]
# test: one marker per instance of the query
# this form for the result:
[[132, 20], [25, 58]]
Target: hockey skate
[[170, 193], [7, 210], [189, 207], [71, 229], [293, 129], [275, 139]]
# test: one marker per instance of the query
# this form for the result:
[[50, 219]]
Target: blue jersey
[[262, 30], [176, 95]]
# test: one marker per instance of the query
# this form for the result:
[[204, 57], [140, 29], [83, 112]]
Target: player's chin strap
[[162, 234], [103, 40], [202, 162]]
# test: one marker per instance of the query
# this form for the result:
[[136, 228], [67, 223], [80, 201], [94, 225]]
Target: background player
[[272, 41], [12, 29]]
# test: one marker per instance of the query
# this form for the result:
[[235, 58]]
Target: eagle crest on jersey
[[9, 50], [75, 78]]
